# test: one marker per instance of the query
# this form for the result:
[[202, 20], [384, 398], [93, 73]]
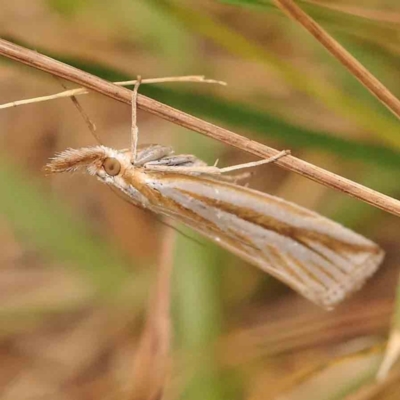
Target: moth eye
[[112, 166]]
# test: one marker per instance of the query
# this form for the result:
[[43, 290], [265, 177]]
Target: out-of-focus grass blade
[[66, 8], [250, 3], [392, 352], [41, 220], [337, 379], [389, 389], [366, 25], [241, 115], [152, 355], [382, 125], [198, 312]]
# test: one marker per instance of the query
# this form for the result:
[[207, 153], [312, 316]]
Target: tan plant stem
[[121, 94], [152, 356]]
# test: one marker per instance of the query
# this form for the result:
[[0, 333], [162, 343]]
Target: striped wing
[[317, 257]]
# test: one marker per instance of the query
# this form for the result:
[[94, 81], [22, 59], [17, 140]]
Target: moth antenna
[[89, 123], [134, 127]]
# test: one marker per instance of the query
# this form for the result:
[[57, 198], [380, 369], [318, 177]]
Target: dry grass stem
[[121, 94], [80, 91], [339, 52], [378, 390], [152, 358]]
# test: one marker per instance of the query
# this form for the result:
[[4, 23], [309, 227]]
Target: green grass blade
[[198, 311]]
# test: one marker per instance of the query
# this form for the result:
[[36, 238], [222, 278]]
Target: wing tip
[[356, 280]]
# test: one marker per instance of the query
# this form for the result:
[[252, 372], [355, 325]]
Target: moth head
[[101, 161]]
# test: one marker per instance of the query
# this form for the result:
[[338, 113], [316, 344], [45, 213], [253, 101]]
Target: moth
[[319, 258]]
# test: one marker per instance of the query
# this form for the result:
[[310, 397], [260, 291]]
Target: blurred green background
[[77, 263]]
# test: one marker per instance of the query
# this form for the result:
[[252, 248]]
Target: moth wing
[[319, 258]]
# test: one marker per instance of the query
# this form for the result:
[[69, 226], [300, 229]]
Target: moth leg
[[237, 178], [152, 153], [234, 178], [186, 170], [281, 154], [178, 160], [134, 127], [198, 169]]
